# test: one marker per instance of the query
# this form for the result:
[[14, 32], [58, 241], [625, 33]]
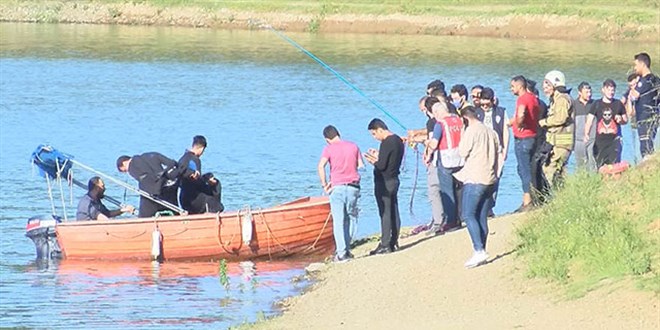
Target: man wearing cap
[[584, 152], [559, 124]]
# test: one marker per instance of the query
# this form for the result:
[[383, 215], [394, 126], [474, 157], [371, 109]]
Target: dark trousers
[[149, 208], [386, 191], [607, 149], [201, 201], [647, 129], [448, 186]]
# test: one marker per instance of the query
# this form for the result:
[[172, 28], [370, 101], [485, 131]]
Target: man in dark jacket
[[152, 170], [199, 193], [386, 162]]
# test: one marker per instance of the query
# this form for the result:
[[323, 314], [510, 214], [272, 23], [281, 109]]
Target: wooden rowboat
[[299, 228]]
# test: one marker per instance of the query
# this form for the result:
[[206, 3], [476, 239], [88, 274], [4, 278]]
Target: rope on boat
[[219, 236], [125, 237], [334, 72], [270, 233], [59, 181], [50, 194], [313, 246]]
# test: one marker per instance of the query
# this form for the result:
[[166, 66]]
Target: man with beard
[[90, 206]]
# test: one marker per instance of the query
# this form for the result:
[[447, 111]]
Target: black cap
[[583, 85]]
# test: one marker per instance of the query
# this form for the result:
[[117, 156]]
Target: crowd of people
[[466, 142], [165, 184]]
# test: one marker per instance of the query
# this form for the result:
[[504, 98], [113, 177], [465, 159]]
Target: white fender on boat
[[155, 244], [246, 229]]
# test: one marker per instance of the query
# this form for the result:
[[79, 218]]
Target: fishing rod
[[334, 72]]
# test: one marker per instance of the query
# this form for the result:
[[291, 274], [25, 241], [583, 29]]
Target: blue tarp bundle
[[51, 162]]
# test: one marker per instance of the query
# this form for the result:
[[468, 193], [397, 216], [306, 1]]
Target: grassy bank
[[632, 11], [561, 19], [595, 231]]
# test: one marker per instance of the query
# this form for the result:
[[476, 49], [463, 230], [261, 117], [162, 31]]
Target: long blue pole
[[334, 72]]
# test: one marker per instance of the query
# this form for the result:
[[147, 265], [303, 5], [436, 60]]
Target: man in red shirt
[[525, 125]]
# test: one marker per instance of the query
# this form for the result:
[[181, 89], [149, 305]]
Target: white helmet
[[556, 78]]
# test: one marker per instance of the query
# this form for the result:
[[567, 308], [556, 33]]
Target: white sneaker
[[478, 258]]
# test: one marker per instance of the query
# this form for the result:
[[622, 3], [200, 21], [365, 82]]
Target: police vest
[[452, 127]]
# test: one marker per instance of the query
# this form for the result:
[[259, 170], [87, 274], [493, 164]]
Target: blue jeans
[[524, 151], [448, 195], [477, 201], [343, 206]]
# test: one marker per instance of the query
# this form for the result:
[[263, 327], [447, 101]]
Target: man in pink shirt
[[344, 187]]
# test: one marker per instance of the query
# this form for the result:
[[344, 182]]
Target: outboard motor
[[41, 230]]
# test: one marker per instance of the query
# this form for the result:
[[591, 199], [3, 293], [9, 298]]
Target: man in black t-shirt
[[609, 114], [646, 97], [386, 162]]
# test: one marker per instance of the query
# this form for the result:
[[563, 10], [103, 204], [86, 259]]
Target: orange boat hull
[[299, 228]]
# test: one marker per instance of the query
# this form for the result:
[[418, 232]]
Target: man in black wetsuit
[[152, 170], [199, 193], [387, 162], [90, 206]]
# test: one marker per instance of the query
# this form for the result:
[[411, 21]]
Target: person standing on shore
[[475, 95], [560, 126], [494, 117], [646, 97], [430, 159], [344, 187], [446, 136], [584, 149], [610, 114], [387, 163], [479, 147], [459, 98], [524, 123]]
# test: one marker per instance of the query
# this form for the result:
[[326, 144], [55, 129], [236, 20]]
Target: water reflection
[[143, 294]]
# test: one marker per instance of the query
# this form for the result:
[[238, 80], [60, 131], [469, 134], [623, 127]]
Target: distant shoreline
[[514, 26]]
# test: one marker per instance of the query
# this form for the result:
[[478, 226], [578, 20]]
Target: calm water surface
[[101, 91]]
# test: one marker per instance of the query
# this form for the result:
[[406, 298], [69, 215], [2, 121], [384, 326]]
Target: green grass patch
[[631, 11], [596, 230]]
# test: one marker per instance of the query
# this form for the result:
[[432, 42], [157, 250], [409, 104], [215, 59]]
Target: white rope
[[59, 181], [50, 194]]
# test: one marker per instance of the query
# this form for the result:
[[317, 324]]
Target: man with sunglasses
[[475, 94], [494, 117]]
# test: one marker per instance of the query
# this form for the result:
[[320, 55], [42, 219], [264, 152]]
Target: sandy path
[[425, 286]]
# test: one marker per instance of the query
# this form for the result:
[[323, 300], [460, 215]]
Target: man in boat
[[344, 187], [153, 171], [386, 161], [199, 193], [90, 206]]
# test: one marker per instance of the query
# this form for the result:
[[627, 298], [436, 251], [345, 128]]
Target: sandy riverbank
[[425, 286], [507, 26]]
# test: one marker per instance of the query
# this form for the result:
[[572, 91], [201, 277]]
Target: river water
[[101, 91]]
